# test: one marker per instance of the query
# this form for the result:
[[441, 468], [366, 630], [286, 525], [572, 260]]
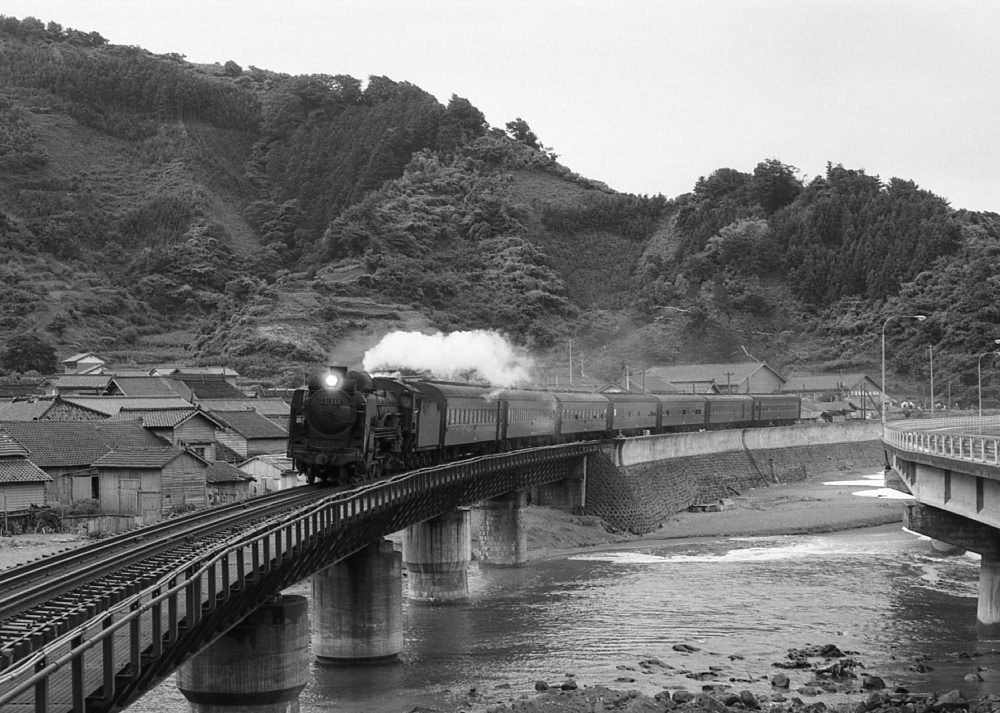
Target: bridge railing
[[106, 656], [959, 441]]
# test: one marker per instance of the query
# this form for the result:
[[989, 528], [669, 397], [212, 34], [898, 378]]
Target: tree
[[26, 352], [520, 131]]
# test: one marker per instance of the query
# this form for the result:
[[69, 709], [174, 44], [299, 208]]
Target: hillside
[[157, 210]]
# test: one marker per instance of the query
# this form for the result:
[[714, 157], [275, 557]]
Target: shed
[[271, 472], [227, 483], [249, 434], [63, 447], [863, 391], [22, 483], [149, 483]]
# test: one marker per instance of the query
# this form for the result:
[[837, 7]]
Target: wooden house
[[146, 386], [189, 427], [249, 434], [23, 484], [82, 363], [227, 483], [64, 448], [273, 409], [270, 473], [740, 378], [149, 483], [111, 405], [75, 385]]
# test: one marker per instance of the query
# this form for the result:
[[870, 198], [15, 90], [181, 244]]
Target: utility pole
[[729, 386], [570, 362]]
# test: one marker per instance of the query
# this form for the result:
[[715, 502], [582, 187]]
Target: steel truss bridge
[[100, 645]]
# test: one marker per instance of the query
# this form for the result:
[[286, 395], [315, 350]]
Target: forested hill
[[152, 209]]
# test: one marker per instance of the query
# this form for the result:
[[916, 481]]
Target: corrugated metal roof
[[79, 381], [21, 470], [250, 424], [825, 382], [138, 458], [60, 444]]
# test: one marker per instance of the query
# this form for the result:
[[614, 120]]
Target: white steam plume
[[478, 354]]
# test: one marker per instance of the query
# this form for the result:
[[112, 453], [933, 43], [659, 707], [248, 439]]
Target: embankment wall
[[640, 482]]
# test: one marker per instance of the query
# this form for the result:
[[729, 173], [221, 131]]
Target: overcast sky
[[645, 95]]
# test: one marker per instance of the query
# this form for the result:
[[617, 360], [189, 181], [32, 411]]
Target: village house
[[271, 472], [249, 434], [65, 448], [83, 363], [196, 372], [149, 483], [189, 427], [227, 483], [111, 405], [276, 410], [23, 484], [75, 385], [740, 378], [145, 386]]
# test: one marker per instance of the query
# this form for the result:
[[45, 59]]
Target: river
[[885, 596]]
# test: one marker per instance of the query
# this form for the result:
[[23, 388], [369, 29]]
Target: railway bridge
[[952, 468], [94, 629]]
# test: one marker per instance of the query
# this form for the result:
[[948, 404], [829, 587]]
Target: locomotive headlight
[[332, 380]]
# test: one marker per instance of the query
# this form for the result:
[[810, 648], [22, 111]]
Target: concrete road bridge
[[951, 466], [93, 631]]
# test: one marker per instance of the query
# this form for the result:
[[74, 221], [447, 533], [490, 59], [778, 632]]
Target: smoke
[[467, 356]]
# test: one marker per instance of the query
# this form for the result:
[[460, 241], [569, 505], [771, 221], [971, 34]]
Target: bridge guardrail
[[150, 632], [915, 436]]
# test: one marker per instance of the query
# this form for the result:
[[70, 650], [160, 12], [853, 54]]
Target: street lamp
[[919, 318], [930, 350], [979, 374]]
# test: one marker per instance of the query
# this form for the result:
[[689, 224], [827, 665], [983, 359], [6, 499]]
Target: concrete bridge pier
[[259, 666], [503, 540], [569, 494], [988, 611], [358, 607], [436, 554]]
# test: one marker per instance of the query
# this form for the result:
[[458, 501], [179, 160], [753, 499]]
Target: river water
[[905, 611]]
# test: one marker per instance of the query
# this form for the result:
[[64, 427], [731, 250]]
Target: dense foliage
[[153, 206]]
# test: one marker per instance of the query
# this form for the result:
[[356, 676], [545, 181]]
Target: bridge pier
[[358, 607], [259, 666], [503, 540], [436, 554]]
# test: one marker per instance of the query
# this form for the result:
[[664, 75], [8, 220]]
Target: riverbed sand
[[824, 502]]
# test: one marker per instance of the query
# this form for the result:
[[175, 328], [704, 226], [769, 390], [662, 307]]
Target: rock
[[780, 680], [730, 699], [873, 701], [949, 701], [872, 683], [685, 648], [569, 685], [624, 679], [541, 685], [810, 691], [682, 696], [817, 707], [749, 700]]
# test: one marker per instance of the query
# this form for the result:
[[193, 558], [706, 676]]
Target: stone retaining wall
[[641, 495]]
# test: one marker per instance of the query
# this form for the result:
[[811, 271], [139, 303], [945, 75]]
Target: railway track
[[43, 599]]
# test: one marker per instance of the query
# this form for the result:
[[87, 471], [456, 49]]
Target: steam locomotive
[[348, 426]]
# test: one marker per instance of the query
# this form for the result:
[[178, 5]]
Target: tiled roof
[[163, 418], [824, 382], [149, 386], [77, 357], [265, 407], [21, 470], [137, 458], [111, 405], [24, 410], [10, 447], [221, 472], [212, 389], [60, 444], [79, 381], [63, 411], [250, 424], [687, 373]]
